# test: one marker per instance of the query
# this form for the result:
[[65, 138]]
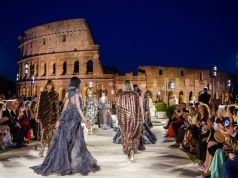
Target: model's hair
[[74, 83], [128, 86], [206, 110], [50, 82]]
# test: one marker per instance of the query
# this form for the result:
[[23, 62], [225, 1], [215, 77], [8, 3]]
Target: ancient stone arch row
[[55, 67]]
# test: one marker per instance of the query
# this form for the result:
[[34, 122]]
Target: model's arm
[[77, 102], [142, 108], [66, 102]]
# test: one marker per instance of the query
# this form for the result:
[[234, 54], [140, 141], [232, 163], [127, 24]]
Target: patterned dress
[[48, 114], [91, 109], [104, 112], [130, 120]]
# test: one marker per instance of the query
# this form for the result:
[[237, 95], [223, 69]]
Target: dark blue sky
[[189, 33]]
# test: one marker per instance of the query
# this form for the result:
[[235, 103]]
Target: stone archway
[[64, 68], [76, 68], [190, 95], [89, 67], [52, 68]]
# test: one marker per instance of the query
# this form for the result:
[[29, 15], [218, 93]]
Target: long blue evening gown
[[67, 153]]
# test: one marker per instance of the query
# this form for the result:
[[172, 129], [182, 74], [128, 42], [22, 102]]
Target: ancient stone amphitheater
[[66, 48]]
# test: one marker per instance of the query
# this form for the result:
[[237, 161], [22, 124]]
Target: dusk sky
[[189, 33]]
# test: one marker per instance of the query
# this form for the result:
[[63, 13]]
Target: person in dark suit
[[13, 123], [204, 96]]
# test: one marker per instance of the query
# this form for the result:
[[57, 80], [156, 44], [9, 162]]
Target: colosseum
[[63, 49]]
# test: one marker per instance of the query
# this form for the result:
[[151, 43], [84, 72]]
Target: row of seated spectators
[[211, 133], [17, 123]]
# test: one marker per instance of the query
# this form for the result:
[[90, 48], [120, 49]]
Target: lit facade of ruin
[[63, 49]]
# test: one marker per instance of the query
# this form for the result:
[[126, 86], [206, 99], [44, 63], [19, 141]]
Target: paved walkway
[[157, 161]]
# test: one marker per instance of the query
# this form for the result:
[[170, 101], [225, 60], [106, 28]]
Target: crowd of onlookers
[[210, 132], [17, 122], [206, 130]]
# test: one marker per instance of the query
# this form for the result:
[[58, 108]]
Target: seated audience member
[[202, 132], [189, 141], [231, 165], [33, 122], [183, 128], [13, 123], [25, 120], [220, 166], [174, 117], [177, 121]]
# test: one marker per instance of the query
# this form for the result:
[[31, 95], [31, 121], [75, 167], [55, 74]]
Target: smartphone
[[227, 121]]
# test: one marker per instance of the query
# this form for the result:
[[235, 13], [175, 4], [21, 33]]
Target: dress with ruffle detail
[[67, 153]]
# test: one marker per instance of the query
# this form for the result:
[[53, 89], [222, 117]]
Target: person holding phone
[[231, 165]]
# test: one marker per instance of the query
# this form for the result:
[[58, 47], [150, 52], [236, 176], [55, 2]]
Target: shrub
[[170, 110], [160, 107]]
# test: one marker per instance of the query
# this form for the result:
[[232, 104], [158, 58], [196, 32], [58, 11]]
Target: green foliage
[[170, 110], [160, 107]]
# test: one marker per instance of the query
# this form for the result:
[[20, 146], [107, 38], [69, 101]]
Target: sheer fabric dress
[[67, 152]]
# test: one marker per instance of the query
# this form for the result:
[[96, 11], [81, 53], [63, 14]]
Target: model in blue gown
[[67, 153]]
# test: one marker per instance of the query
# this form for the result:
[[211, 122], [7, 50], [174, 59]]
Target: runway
[[156, 161]]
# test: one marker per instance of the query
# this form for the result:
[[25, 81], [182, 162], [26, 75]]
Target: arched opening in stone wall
[[36, 70], [181, 97], [89, 67], [32, 69], [64, 68], [44, 70], [52, 68], [23, 91], [76, 68], [190, 95]]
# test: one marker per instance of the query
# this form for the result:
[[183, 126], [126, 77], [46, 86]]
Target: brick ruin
[[63, 49]]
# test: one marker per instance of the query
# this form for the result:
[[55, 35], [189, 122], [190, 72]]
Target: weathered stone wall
[[186, 80], [63, 49]]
